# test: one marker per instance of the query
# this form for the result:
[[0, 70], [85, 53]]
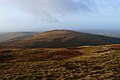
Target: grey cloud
[[47, 9], [50, 10]]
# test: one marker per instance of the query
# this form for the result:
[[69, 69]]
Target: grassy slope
[[60, 38], [84, 63]]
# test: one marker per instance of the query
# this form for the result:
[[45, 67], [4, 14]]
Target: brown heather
[[78, 63]]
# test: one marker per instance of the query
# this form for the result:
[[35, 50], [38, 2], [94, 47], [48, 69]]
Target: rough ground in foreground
[[81, 63]]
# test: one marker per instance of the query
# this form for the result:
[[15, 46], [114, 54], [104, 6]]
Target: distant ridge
[[10, 35], [59, 39]]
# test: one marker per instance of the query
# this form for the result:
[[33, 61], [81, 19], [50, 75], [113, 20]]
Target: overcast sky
[[39, 15]]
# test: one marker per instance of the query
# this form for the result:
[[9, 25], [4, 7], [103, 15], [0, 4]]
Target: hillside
[[59, 38], [10, 35], [78, 63]]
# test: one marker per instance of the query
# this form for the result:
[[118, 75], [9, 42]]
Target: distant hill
[[105, 32], [117, 35], [10, 35], [60, 38]]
